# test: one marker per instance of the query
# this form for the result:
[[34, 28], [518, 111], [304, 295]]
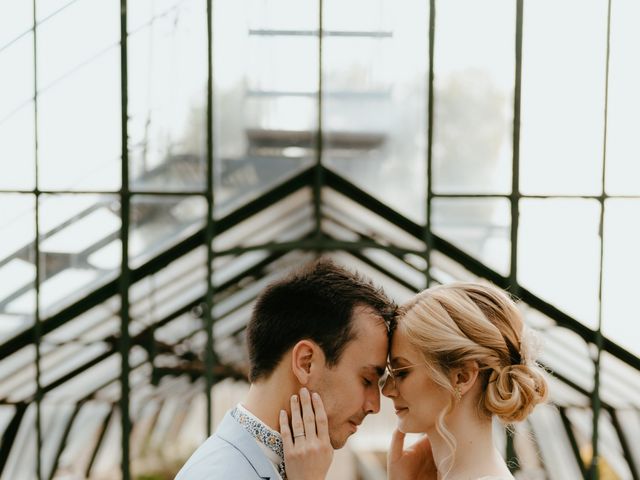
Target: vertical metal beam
[[515, 177], [594, 471], [428, 235], [37, 327], [125, 199], [209, 232], [511, 454], [319, 173]]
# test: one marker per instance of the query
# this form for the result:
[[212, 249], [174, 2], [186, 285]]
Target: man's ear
[[464, 377], [306, 357]]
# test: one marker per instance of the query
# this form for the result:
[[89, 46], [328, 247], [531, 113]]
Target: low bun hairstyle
[[460, 322]]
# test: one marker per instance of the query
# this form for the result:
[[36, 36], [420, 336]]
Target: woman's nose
[[389, 387]]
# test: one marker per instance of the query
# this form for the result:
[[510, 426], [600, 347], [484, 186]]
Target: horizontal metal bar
[[325, 33], [322, 244], [341, 94], [114, 193]]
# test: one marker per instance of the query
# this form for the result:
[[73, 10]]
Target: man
[[323, 328]]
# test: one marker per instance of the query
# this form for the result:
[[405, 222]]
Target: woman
[[459, 356]]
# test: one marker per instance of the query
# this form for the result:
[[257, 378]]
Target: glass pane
[[567, 355], [72, 229], [94, 325], [612, 463], [621, 265], [16, 18], [21, 454], [630, 422], [563, 102], [265, 90], [558, 254], [79, 98], [16, 82], [474, 83], [479, 226], [17, 141], [109, 453], [55, 418], [17, 374], [167, 107], [623, 165], [17, 262], [158, 222], [91, 380], [555, 447], [155, 299], [375, 98], [82, 438], [619, 382], [17, 148]]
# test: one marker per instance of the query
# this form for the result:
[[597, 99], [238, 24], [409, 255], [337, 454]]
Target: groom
[[323, 328]]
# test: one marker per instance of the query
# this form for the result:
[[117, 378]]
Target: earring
[[458, 393]]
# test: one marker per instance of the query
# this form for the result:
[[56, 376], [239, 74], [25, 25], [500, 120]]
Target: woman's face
[[418, 400]]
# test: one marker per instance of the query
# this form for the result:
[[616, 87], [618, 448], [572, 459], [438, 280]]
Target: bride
[[459, 356]]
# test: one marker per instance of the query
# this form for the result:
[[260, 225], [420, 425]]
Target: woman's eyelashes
[[401, 374]]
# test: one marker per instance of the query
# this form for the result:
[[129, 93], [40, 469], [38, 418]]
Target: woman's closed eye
[[401, 374]]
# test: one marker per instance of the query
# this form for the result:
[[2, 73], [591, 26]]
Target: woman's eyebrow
[[395, 360]]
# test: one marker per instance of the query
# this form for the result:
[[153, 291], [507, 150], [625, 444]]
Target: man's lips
[[400, 409], [355, 425]]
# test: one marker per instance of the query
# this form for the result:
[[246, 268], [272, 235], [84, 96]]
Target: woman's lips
[[401, 410]]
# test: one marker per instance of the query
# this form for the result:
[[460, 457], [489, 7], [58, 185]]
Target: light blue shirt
[[230, 453]]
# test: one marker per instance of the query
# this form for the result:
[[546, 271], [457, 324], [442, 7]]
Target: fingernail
[[294, 398], [303, 391], [282, 413], [316, 396]]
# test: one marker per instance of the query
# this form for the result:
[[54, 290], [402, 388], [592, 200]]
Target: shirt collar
[[265, 436]]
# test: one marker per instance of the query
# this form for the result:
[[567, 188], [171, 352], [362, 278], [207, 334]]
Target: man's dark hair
[[314, 303]]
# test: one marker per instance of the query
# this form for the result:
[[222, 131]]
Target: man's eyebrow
[[379, 370]]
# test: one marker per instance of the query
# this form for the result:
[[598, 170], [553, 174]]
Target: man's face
[[349, 389]]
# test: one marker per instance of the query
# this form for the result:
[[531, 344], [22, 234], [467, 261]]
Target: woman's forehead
[[401, 348]]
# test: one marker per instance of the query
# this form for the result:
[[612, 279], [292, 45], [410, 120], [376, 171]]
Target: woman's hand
[[416, 462], [307, 452]]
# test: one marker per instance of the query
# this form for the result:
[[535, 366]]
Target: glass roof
[[80, 360]]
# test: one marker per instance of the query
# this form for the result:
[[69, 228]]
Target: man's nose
[[372, 404]]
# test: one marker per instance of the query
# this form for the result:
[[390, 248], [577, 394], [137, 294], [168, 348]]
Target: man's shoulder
[[216, 458], [229, 453]]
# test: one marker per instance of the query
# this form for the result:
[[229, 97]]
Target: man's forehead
[[365, 319], [369, 350]]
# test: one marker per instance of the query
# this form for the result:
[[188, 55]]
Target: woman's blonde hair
[[461, 322]]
